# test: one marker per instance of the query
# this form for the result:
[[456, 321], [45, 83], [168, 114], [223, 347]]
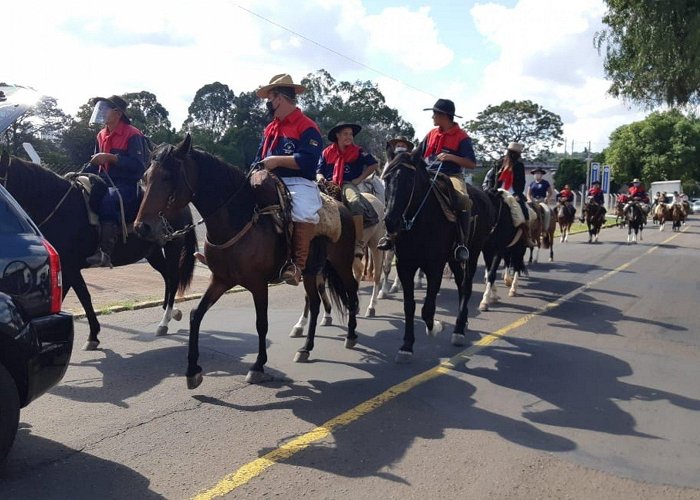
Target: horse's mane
[[25, 177]]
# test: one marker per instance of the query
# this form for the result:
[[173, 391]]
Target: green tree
[[78, 140], [515, 121], [149, 116], [571, 171], [42, 126], [328, 101], [211, 111], [663, 146], [652, 50]]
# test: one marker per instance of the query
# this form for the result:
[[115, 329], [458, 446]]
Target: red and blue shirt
[[454, 141], [127, 143], [295, 135], [352, 170]]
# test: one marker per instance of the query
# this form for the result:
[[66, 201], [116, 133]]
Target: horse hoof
[[512, 294], [459, 339], [327, 321], [297, 331], [177, 314], [255, 377], [91, 345], [381, 294], [161, 331], [394, 289], [371, 312], [403, 357], [483, 307], [301, 357], [350, 343], [551, 259], [195, 381], [437, 328]]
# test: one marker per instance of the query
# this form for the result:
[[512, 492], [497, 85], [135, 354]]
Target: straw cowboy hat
[[516, 146], [392, 143], [538, 169], [340, 126], [116, 102], [281, 80], [444, 106], [636, 180]]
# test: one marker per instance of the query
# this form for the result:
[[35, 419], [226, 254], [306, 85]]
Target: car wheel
[[9, 411]]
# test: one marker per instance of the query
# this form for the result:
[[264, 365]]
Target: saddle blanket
[[547, 219], [515, 210], [329, 219]]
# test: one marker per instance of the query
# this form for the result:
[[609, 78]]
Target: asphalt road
[[585, 386]]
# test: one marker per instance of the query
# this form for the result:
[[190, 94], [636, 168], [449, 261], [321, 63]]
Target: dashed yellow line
[[253, 469]]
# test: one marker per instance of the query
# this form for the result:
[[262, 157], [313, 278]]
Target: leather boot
[[108, 237], [463, 228], [386, 242], [302, 234], [359, 230]]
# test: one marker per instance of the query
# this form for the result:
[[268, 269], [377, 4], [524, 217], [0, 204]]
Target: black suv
[[36, 338]]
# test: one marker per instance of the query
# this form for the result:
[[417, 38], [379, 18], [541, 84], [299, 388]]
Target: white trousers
[[306, 199]]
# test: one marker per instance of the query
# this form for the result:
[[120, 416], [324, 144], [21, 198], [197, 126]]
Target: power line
[[355, 61]]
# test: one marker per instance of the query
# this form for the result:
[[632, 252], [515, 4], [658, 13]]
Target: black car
[[36, 338]]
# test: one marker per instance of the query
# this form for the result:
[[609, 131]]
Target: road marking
[[253, 469]]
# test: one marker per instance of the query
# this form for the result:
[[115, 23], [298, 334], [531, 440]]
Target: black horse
[[244, 246], [506, 244], [426, 240], [635, 218], [58, 207], [594, 215]]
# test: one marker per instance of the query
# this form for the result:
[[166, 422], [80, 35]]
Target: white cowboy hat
[[516, 146], [281, 80]]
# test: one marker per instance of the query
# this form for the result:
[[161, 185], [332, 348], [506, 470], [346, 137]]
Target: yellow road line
[[253, 469]]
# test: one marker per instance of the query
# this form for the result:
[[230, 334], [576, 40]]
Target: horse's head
[[402, 179], [170, 183]]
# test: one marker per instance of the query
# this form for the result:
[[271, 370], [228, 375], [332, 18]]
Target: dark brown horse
[[57, 205], [594, 215], [566, 213], [244, 246]]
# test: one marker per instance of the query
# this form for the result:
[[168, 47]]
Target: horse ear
[[185, 147], [5, 159]]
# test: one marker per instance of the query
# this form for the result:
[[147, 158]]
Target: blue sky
[[477, 53]]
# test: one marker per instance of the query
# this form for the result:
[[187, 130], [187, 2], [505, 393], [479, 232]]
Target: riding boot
[[386, 242], [463, 228], [103, 256], [302, 234], [357, 220]]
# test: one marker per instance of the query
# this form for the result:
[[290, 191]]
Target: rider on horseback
[[638, 194], [596, 196], [540, 189], [510, 173], [448, 149], [121, 162], [290, 147], [347, 165]]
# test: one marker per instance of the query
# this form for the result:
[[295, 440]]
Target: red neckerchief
[[594, 191], [332, 154], [436, 140], [272, 131], [506, 178], [106, 140], [564, 193]]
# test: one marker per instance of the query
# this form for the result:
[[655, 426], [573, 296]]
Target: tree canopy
[[652, 51], [515, 121], [663, 146]]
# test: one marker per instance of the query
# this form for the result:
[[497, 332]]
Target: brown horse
[[661, 215], [677, 216], [542, 231], [566, 213], [594, 216], [244, 246]]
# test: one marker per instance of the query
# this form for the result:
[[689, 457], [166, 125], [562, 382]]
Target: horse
[[566, 214], [58, 206], [635, 218], [542, 231], [370, 236], [594, 218], [245, 244], [661, 215], [426, 239], [506, 242], [677, 216], [620, 202]]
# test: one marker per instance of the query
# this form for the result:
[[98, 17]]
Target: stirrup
[[385, 243], [99, 259], [291, 275], [461, 253]]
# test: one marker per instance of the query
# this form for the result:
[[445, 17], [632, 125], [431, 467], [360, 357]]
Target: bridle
[[407, 223]]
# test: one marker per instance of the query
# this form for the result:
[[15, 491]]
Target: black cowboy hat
[[538, 169], [595, 182], [404, 139], [444, 106], [341, 125], [116, 102]]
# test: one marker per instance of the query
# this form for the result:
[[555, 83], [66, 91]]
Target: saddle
[[273, 198], [516, 212], [451, 201], [370, 217]]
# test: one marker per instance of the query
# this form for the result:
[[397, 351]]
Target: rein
[[408, 223]]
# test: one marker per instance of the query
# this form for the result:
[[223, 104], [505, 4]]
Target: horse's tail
[[185, 269], [340, 295], [546, 241]]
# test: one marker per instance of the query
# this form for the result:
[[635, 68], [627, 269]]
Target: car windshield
[[14, 102]]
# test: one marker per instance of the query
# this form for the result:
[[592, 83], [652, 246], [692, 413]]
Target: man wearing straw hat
[[290, 147]]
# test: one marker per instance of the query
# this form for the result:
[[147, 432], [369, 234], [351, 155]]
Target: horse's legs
[[463, 279], [327, 319], [168, 270], [406, 274], [433, 275], [377, 278], [298, 329], [214, 291], [73, 278], [313, 300], [386, 270], [256, 374]]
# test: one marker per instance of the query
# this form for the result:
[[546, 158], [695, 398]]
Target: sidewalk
[[129, 285]]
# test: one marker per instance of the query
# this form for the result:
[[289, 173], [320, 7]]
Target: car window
[[11, 221]]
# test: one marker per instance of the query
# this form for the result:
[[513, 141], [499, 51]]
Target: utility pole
[[589, 158]]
